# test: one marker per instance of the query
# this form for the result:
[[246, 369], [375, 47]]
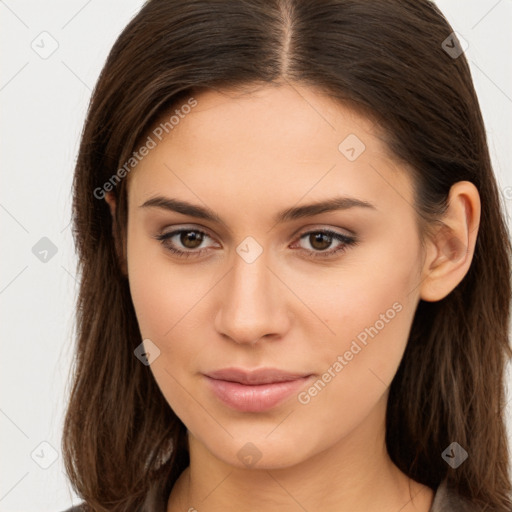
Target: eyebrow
[[289, 214]]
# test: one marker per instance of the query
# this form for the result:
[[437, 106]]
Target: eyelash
[[347, 242]]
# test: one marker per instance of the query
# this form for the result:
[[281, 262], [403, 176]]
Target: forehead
[[276, 118], [268, 140]]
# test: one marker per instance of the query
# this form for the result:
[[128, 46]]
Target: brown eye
[[185, 243], [191, 239], [320, 241]]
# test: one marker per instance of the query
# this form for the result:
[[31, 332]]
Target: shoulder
[[446, 499], [76, 508]]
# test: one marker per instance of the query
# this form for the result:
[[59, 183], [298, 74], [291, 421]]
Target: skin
[[246, 157]]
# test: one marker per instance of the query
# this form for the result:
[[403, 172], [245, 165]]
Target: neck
[[354, 475]]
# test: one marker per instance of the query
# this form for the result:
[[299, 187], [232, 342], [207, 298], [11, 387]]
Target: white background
[[43, 104]]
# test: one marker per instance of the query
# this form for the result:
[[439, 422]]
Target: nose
[[251, 303]]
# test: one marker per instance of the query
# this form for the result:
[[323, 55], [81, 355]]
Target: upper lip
[[255, 377]]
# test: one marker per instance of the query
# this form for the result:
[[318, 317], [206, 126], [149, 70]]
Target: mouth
[[254, 390]]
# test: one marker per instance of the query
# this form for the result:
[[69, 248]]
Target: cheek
[[355, 370], [166, 317], [361, 297], [163, 301], [369, 314], [160, 294], [167, 300]]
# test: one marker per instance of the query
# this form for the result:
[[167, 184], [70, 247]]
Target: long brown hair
[[387, 58]]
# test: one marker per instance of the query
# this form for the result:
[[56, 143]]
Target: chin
[[260, 452]]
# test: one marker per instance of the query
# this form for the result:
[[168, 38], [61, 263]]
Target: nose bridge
[[249, 306], [248, 278]]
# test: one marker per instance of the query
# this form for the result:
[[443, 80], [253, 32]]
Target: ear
[[111, 201], [451, 247]]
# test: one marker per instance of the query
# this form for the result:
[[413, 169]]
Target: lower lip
[[254, 398]]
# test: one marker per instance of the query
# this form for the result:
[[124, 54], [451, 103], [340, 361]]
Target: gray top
[[445, 500]]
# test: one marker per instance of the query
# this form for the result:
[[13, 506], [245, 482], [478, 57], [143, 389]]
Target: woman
[[295, 272]]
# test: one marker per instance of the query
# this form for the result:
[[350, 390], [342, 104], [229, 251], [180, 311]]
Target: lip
[[254, 390]]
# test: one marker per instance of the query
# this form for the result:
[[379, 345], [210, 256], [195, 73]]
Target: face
[[277, 323]]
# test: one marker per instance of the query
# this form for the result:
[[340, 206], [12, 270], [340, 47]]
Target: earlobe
[[451, 248], [111, 201]]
